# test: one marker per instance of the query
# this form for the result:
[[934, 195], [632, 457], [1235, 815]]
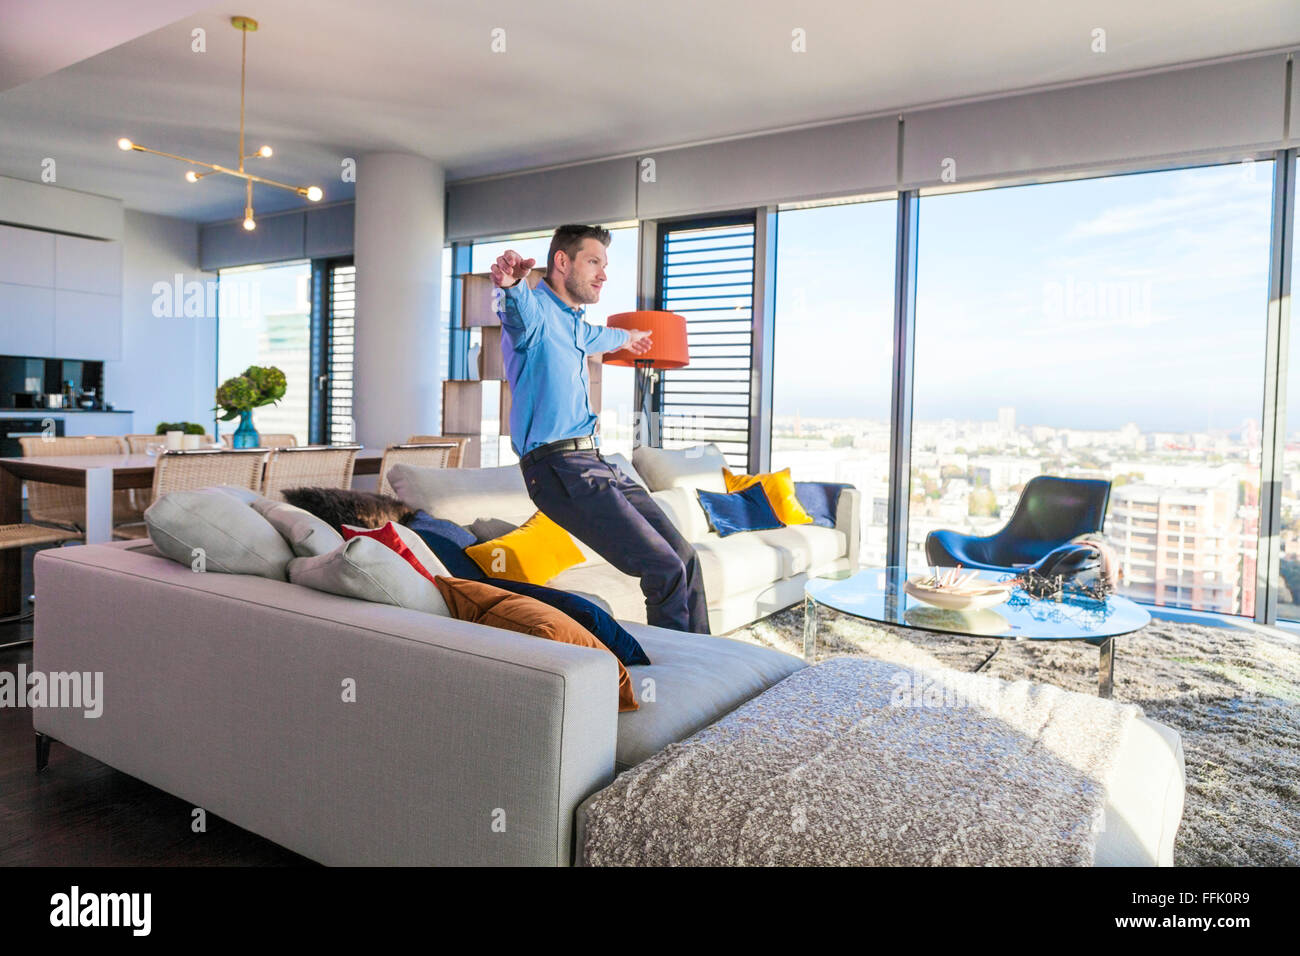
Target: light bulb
[[249, 224], [314, 193], [191, 176], [264, 152], [125, 144]]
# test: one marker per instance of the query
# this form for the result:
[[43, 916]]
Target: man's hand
[[510, 268], [639, 342]]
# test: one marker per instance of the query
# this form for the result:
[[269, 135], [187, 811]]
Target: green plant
[[189, 428], [258, 386]]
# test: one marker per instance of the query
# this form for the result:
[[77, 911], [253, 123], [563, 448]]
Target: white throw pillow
[[234, 538], [682, 506], [423, 553], [306, 534], [363, 568], [463, 495], [699, 466]]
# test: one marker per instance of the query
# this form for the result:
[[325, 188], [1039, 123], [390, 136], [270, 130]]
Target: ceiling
[[578, 79]]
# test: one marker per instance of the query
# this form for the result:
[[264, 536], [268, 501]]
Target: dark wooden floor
[[79, 812]]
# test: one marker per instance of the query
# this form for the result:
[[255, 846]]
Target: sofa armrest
[[848, 518], [350, 732]]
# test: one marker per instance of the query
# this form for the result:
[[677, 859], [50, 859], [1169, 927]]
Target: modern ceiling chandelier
[[313, 193]]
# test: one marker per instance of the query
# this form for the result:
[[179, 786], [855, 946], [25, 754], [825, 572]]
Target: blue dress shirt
[[545, 346]]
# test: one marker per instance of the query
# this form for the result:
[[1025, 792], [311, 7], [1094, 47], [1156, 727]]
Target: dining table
[[100, 475]]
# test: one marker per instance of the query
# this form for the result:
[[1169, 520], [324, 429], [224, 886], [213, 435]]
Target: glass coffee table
[[876, 594]]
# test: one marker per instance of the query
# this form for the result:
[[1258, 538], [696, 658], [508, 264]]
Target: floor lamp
[[668, 349]]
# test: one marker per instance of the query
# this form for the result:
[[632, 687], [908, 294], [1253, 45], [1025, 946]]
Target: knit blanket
[[862, 762]]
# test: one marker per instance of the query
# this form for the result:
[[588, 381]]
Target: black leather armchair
[[1050, 513]]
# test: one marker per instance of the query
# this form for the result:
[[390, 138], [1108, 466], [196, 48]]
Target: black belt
[[564, 444]]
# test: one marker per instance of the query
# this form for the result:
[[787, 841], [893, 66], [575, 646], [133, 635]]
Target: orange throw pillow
[[778, 487], [486, 604]]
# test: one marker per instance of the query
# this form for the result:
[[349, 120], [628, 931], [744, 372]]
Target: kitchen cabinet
[[26, 320], [87, 265], [28, 256], [87, 326]]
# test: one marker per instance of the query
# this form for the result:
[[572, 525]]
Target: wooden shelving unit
[[464, 401]]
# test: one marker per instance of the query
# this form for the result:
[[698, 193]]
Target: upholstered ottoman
[[863, 762]]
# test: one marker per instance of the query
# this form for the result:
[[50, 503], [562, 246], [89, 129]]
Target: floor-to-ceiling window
[[265, 319], [618, 295], [1288, 588], [1103, 328], [833, 352]]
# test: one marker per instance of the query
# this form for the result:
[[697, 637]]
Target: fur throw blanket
[[862, 762]]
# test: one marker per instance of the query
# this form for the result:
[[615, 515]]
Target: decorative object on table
[[240, 394], [1051, 512], [955, 590], [244, 25], [668, 349], [185, 428]]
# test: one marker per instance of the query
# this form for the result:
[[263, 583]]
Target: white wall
[[168, 368]]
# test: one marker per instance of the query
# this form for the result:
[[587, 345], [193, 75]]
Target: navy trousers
[[601, 506]]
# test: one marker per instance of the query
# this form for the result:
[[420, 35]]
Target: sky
[[1084, 304]]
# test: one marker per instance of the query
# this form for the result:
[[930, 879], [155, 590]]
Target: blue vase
[[245, 435]]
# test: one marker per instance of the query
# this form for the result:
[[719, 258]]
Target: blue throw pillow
[[819, 499], [448, 541], [747, 510], [591, 616]]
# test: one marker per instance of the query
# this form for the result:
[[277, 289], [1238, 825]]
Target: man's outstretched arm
[[520, 317]]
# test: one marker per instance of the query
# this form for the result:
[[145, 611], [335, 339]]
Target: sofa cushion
[[405, 542], [699, 466], [779, 489], [448, 541], [684, 511], [820, 499], [738, 563], [484, 603], [731, 513], [587, 613], [363, 568], [235, 539], [534, 553], [464, 495], [694, 680], [605, 586], [808, 545], [306, 534]]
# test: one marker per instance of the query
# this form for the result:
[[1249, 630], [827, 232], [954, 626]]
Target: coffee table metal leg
[[809, 628], [1106, 669]]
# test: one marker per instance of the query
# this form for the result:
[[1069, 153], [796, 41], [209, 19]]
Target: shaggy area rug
[[1233, 693]]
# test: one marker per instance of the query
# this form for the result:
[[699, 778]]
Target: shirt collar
[[578, 312]]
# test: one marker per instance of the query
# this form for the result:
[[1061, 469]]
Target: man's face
[[586, 273]]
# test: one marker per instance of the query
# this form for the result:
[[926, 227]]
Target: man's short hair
[[570, 239]]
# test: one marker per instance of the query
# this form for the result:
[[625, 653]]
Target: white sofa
[[747, 575]]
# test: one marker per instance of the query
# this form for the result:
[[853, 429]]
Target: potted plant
[[240, 394]]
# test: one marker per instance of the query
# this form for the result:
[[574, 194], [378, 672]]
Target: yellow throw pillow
[[535, 552], [779, 489]]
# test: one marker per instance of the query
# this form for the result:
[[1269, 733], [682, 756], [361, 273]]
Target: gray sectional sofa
[[355, 732]]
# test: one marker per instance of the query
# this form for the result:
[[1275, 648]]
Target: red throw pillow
[[388, 536]]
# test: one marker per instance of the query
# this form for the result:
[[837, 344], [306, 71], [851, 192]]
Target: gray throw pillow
[[233, 537], [306, 534], [365, 569]]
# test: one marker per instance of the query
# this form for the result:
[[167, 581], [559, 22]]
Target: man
[[546, 344]]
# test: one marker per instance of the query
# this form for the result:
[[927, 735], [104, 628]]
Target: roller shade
[[1180, 113], [600, 192], [822, 161]]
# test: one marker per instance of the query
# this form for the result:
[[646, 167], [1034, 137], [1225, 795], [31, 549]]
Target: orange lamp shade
[[667, 330]]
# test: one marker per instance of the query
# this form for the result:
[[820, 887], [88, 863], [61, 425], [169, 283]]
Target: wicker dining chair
[[139, 444], [425, 455], [267, 439], [460, 441], [64, 506], [188, 470], [321, 466]]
